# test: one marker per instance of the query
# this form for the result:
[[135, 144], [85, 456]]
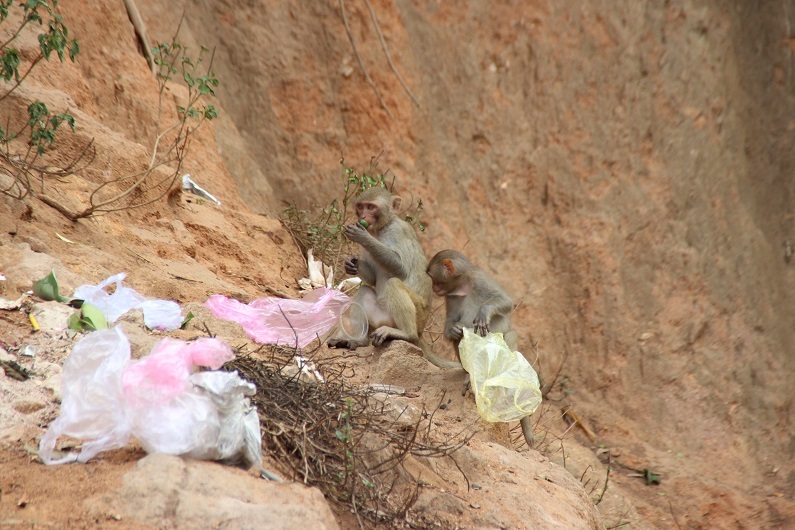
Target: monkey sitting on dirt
[[395, 293], [473, 300]]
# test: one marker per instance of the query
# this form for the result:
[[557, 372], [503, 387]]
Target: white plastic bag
[[158, 314], [91, 398], [107, 399], [506, 387], [113, 305]]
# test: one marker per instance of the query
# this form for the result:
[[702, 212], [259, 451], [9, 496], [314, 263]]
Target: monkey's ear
[[396, 203], [448, 266]]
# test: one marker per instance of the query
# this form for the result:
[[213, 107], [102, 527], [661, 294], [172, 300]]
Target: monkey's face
[[438, 279], [370, 212]]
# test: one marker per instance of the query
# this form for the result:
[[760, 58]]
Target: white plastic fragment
[[10, 305], [158, 314], [320, 274], [189, 185], [308, 368]]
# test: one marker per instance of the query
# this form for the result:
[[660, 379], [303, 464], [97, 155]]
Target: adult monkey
[[395, 292], [473, 300]]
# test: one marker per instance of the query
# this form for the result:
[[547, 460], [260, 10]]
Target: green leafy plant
[[23, 144], [322, 230], [171, 142]]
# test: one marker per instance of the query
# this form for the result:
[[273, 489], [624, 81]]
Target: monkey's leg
[[395, 300], [366, 298]]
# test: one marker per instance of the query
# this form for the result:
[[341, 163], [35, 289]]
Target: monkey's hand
[[357, 233], [456, 332], [482, 322], [352, 265]]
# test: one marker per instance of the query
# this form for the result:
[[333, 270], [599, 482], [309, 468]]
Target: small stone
[[28, 407]]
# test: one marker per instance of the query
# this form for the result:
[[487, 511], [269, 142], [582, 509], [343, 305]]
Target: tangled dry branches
[[342, 438]]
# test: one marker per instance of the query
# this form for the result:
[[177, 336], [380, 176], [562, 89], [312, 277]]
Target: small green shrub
[[322, 229]]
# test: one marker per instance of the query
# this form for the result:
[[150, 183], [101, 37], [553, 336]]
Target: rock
[[53, 377], [28, 406], [397, 409], [12, 434], [170, 492], [518, 490], [52, 316]]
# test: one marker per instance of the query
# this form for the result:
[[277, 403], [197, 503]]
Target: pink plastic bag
[[294, 323], [165, 372]]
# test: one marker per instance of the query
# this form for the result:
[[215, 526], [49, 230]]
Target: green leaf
[[36, 111], [47, 288], [4, 5], [74, 322], [92, 317], [9, 64], [74, 50], [651, 477], [188, 318], [210, 112]]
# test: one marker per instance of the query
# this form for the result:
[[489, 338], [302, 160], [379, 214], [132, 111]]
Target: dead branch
[[361, 63], [571, 416], [388, 56], [140, 31], [547, 388]]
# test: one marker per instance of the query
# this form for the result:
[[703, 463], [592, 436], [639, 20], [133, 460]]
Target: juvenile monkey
[[395, 292], [473, 300]]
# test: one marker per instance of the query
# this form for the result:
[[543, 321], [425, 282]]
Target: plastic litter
[[353, 323], [320, 274], [158, 314], [505, 385], [10, 305], [108, 399], [189, 185], [294, 323]]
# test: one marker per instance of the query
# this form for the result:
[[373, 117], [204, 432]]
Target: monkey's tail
[[435, 359], [527, 430]]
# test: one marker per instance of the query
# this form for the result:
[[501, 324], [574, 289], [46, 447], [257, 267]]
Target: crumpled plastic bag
[[108, 399], [294, 323], [320, 274], [158, 314], [506, 387]]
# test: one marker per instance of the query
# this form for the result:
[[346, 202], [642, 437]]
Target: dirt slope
[[624, 169], [638, 157]]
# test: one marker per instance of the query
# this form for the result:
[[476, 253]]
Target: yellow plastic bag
[[505, 385]]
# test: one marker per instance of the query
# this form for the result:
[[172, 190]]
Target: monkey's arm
[[455, 307], [384, 255], [361, 268], [498, 304]]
